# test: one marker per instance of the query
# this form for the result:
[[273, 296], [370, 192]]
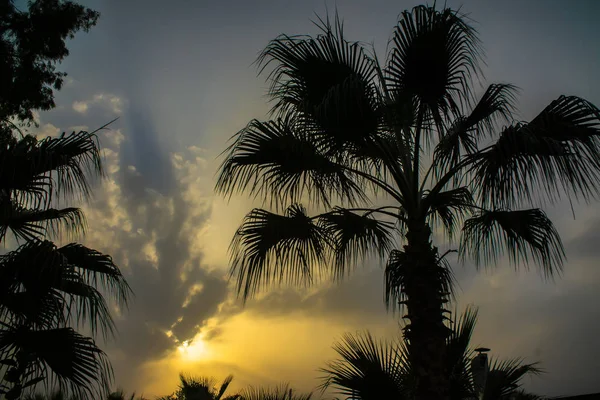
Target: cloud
[[153, 237], [80, 106], [101, 100]]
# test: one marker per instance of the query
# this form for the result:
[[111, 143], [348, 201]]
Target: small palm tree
[[371, 369], [120, 395], [56, 395], [282, 392], [48, 291], [349, 134], [201, 388]]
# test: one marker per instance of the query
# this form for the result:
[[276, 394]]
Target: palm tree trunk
[[426, 333]]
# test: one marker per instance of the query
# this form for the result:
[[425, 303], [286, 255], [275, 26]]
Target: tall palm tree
[[347, 132], [48, 291], [372, 369], [201, 388]]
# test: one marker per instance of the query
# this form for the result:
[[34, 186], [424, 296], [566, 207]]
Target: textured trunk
[[426, 332]]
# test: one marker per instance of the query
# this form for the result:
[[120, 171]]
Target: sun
[[193, 350]]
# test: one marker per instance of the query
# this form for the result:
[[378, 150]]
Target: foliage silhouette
[[347, 132], [120, 395], [47, 291], [201, 388], [32, 42], [58, 395], [281, 392], [371, 369]]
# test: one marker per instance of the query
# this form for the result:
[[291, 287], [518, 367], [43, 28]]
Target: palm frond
[[191, 387], [273, 160], [368, 368], [60, 164], [464, 134], [459, 354], [31, 223], [74, 361], [41, 310], [505, 377], [354, 236], [271, 248], [38, 268], [433, 55], [522, 233], [224, 385], [280, 392], [399, 272], [557, 152], [327, 80], [97, 270], [449, 207]]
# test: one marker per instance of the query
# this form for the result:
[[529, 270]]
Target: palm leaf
[[432, 58], [272, 159], [281, 392], [505, 378], [523, 234], [327, 81], [34, 223], [367, 368], [449, 207], [61, 164], [464, 134], [224, 385], [557, 152], [75, 362], [43, 310], [97, 270], [269, 247], [459, 354], [40, 268], [354, 236], [202, 388], [399, 272]]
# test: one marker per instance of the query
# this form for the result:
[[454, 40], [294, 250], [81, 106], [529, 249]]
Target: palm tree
[[373, 369], [282, 392], [202, 388], [120, 395], [48, 291], [56, 395], [348, 135]]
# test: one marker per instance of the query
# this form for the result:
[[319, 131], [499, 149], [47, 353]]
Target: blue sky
[[180, 76]]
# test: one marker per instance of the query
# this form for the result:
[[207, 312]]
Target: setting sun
[[193, 350]]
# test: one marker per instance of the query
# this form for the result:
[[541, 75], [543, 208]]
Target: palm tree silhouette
[[350, 135], [281, 392], [369, 368], [47, 291], [57, 395], [120, 395], [201, 388]]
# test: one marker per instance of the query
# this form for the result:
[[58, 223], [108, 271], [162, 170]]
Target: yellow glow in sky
[[193, 350]]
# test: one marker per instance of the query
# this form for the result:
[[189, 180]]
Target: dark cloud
[[150, 230], [586, 245], [143, 150]]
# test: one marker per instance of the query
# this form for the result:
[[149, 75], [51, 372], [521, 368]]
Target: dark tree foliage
[[32, 43]]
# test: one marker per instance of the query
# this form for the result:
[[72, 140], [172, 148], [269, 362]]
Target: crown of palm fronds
[[346, 129]]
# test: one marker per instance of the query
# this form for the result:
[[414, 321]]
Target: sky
[[180, 76]]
